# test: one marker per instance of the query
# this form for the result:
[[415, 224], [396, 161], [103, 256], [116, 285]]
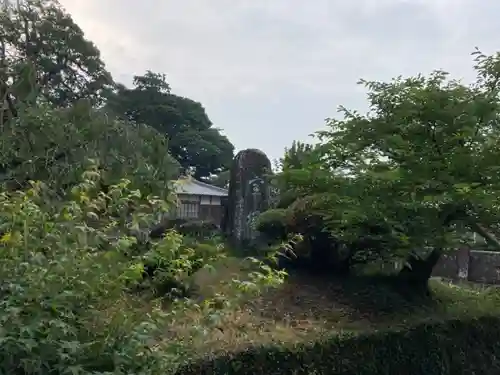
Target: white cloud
[[269, 72]]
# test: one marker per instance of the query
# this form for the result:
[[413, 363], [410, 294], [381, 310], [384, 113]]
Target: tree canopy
[[193, 141], [426, 156], [421, 166], [45, 56]]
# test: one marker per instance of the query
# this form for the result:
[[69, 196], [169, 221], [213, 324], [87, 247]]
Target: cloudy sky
[[270, 71]]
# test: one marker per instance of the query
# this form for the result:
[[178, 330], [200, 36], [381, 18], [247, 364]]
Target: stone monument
[[249, 195]]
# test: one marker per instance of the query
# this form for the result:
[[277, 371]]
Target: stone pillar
[[249, 194]]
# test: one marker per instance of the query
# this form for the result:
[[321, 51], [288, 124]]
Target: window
[[188, 210]]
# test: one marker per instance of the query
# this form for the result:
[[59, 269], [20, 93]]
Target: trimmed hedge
[[440, 348]]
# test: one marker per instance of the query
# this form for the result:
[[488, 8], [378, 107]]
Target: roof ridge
[[209, 185]]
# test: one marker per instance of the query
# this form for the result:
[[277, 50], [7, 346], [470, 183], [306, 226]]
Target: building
[[198, 200]]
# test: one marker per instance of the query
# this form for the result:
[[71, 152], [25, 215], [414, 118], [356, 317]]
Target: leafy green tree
[[53, 146], [421, 165], [44, 56], [193, 141], [425, 158], [302, 172]]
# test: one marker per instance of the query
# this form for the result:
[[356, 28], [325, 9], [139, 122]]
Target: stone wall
[[471, 265]]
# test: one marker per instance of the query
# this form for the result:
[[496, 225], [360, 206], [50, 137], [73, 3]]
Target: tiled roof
[[189, 185]]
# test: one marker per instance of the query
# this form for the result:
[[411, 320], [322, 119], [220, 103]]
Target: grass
[[307, 308]]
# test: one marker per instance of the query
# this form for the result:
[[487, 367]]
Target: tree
[[422, 163], [55, 145], [193, 141], [302, 172], [45, 56], [425, 158]]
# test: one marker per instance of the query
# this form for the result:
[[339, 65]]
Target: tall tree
[[40, 41], [412, 174], [193, 141], [425, 159]]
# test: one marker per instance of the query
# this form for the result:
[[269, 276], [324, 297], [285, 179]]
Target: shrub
[[438, 348], [171, 263], [272, 223], [287, 198], [64, 270], [72, 247], [200, 229], [329, 244], [65, 273], [319, 248]]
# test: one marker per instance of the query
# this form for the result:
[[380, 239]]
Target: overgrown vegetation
[[97, 280]]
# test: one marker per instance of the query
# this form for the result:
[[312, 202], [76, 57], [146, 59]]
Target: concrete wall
[[471, 265]]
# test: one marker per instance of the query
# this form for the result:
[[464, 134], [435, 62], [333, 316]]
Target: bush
[[272, 223], [65, 274], [64, 271], [319, 249], [200, 229], [170, 264], [287, 198], [327, 245], [439, 348]]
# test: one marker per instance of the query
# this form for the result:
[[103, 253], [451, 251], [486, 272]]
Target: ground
[[306, 307]]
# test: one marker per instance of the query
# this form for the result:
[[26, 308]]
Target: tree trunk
[[417, 271]]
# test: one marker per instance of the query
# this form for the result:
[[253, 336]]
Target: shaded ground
[[308, 307]]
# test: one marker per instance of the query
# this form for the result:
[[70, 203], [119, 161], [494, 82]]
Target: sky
[[269, 72]]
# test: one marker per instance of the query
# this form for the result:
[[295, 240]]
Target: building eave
[[209, 189]]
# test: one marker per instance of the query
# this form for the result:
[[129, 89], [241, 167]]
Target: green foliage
[[63, 272], [75, 249], [199, 228], [195, 228], [409, 175], [298, 156], [193, 141], [66, 270], [53, 145], [425, 157], [45, 56], [435, 348], [273, 224], [286, 198], [303, 172], [171, 263]]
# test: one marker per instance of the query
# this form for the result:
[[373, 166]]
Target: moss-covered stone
[[249, 194]]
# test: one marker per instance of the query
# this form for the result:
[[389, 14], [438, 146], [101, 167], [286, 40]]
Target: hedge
[[440, 348]]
